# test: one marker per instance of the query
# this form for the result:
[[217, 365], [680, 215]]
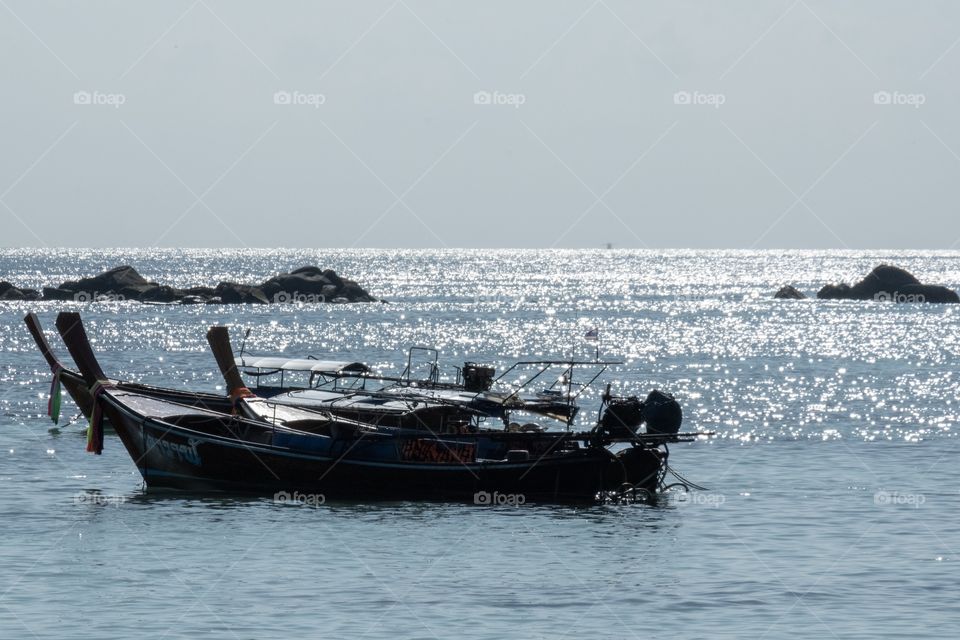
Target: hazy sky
[[339, 124]]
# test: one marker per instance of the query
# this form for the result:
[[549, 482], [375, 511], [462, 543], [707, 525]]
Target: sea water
[[831, 496]]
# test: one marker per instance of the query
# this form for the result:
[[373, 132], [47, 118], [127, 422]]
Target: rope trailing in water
[[56, 395], [95, 430], [686, 483]]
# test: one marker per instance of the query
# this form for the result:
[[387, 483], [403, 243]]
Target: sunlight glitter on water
[[701, 325], [830, 476]]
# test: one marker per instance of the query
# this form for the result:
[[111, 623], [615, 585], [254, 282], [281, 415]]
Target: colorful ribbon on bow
[[95, 430], [53, 404]]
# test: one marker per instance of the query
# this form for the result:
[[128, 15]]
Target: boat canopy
[[329, 367]]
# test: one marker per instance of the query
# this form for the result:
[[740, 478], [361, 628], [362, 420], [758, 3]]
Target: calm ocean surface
[[833, 491]]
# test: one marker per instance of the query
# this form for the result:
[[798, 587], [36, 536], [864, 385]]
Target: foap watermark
[[898, 98], [884, 498], [99, 499], [715, 100], [899, 298], [295, 297], [497, 499], [499, 98], [99, 98], [297, 498], [94, 296], [714, 500], [298, 98]]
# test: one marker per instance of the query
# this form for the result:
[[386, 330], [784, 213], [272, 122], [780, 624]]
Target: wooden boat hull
[[207, 452], [78, 390], [632, 467]]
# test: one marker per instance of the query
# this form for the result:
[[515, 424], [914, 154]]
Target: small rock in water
[[789, 292]]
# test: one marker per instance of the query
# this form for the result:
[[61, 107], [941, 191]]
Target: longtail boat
[[176, 445]]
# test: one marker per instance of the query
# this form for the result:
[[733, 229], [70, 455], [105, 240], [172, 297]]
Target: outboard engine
[[643, 468], [477, 377], [662, 413], [622, 416]]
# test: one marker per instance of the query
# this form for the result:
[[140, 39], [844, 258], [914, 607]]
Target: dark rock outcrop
[[233, 293], [199, 292], [56, 293], [10, 292], [119, 283], [312, 284], [161, 293], [306, 285], [891, 284], [835, 292], [789, 292]]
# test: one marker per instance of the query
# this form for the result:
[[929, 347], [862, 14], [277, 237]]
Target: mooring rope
[[688, 484]]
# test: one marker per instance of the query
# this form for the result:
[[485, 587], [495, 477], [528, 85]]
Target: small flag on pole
[[594, 336]]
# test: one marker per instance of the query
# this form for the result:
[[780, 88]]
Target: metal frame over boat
[[472, 391]]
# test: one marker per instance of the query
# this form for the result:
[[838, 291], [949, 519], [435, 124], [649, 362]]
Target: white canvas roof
[[302, 364]]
